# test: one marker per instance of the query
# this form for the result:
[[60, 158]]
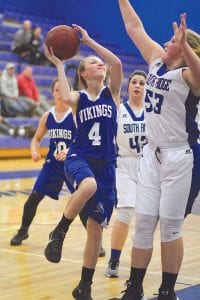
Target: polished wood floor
[[25, 274]]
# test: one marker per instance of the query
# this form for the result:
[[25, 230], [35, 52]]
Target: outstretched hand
[[180, 32], [51, 56]]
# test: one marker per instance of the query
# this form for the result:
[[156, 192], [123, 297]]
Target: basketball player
[[130, 141], [58, 121], [170, 166], [91, 157]]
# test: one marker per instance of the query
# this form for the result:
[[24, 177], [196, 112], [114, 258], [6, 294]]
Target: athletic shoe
[[131, 293], [102, 252], [21, 235], [167, 295], [82, 291], [53, 250], [112, 270]]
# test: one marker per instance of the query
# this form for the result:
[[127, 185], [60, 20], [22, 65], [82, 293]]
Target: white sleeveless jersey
[[171, 110], [131, 134]]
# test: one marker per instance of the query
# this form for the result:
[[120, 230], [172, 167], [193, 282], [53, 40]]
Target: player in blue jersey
[[131, 137], [58, 121], [169, 176], [91, 157]]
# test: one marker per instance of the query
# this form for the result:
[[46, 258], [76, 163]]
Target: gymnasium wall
[[102, 18]]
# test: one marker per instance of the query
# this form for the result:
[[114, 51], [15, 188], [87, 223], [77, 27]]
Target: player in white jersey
[[130, 141], [170, 168]]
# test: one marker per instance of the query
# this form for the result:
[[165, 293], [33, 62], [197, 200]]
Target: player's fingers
[[175, 27], [183, 19]]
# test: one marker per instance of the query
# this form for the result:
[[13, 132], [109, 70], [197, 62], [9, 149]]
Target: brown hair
[[136, 72], [53, 84]]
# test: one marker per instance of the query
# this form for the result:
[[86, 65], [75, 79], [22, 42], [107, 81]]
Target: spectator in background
[[37, 56], [12, 104], [27, 87], [26, 131], [20, 44]]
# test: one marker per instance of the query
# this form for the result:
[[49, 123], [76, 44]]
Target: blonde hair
[[81, 68], [193, 39]]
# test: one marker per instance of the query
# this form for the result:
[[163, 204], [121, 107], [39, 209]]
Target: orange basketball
[[64, 41]]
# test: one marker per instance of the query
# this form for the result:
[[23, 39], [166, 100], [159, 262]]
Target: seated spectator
[[37, 56], [20, 43], [12, 104], [26, 131], [27, 87]]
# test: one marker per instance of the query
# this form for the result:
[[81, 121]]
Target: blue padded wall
[[102, 17]]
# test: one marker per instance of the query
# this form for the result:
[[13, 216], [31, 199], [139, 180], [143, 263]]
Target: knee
[[34, 199], [170, 229], [94, 228], [88, 187], [125, 214], [144, 231]]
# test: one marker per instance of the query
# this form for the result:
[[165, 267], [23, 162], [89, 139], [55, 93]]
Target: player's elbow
[[131, 30], [118, 63]]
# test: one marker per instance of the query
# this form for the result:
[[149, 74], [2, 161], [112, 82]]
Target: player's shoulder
[[49, 112]]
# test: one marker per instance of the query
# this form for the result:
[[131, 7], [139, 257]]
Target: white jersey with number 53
[[171, 109]]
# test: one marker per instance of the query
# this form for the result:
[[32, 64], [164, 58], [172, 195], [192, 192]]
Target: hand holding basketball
[[82, 32]]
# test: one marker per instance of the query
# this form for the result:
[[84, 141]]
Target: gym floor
[[27, 275]]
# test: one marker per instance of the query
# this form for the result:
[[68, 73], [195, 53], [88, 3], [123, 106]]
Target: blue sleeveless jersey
[[61, 133], [51, 177], [96, 127]]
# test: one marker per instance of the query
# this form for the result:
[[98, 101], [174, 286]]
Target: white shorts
[[126, 180], [163, 187], [193, 205]]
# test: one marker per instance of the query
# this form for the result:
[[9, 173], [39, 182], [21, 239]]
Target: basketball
[[64, 41]]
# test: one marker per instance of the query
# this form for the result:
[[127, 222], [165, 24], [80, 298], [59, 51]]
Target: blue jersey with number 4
[[96, 127]]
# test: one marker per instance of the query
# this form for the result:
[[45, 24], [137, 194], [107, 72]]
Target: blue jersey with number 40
[[61, 133], [96, 127]]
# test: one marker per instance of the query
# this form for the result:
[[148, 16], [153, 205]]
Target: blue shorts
[[100, 206], [50, 180]]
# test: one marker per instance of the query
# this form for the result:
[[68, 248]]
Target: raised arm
[[114, 63], [148, 48], [71, 98], [192, 60]]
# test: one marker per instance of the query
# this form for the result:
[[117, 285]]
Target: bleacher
[[10, 21]]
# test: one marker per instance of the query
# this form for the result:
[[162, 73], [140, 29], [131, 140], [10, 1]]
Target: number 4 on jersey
[[94, 134]]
